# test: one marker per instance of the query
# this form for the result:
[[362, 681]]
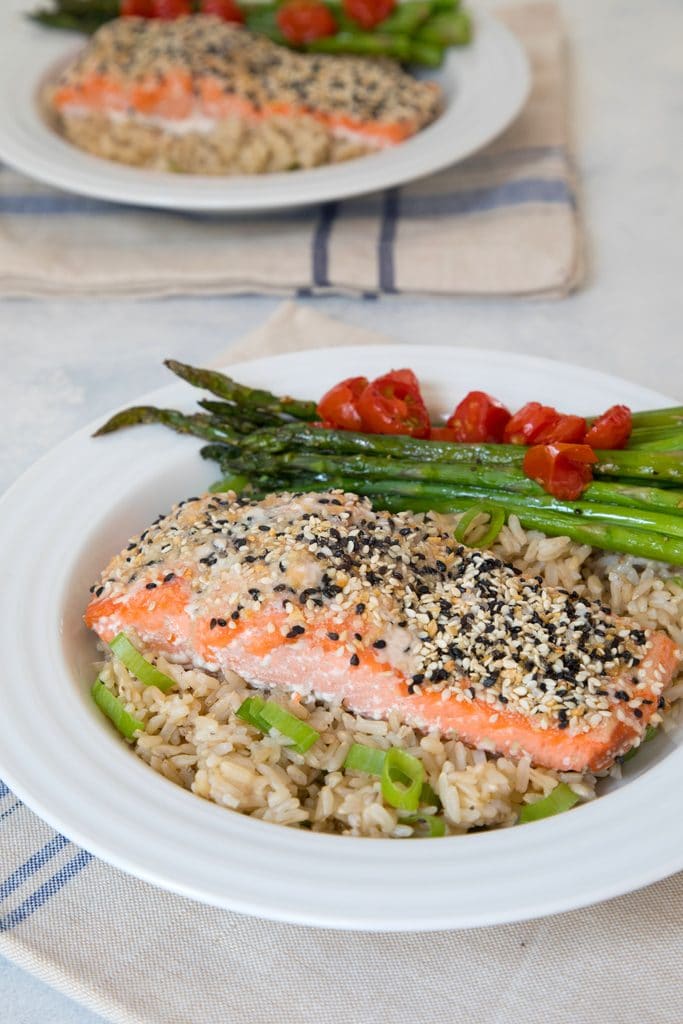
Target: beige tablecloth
[[139, 955]]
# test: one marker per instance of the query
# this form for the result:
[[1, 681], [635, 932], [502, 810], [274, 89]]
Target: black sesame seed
[[295, 631], [379, 644], [332, 635], [354, 660], [360, 608], [150, 586]]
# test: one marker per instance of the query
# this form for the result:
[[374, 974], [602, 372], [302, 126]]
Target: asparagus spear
[[68, 22], [427, 54], [447, 28], [198, 424], [237, 420], [248, 399], [671, 417], [406, 17], [90, 8], [664, 443]]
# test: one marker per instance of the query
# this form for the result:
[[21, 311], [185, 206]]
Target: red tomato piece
[[479, 417], [303, 21], [136, 9], [339, 406], [393, 405], [404, 376], [612, 429], [443, 434], [531, 419], [566, 430], [563, 470], [368, 13], [169, 10], [226, 10]]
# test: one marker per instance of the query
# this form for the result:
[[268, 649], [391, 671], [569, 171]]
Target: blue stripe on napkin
[[33, 864], [321, 238], [46, 891], [10, 810], [387, 237]]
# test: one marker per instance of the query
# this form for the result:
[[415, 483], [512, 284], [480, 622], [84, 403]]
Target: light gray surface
[[63, 363]]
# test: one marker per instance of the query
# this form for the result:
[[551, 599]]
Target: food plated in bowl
[[202, 96], [483, 86], [80, 776], [493, 695]]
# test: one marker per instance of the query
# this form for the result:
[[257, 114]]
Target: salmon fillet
[[320, 594], [146, 91]]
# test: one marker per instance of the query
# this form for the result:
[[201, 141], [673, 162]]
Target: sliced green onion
[[436, 826], [496, 523], [250, 712], [114, 710], [365, 759], [429, 797], [266, 715], [562, 798], [402, 778], [288, 725], [649, 734], [368, 759], [138, 666]]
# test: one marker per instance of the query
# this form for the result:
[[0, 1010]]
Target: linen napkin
[[139, 955], [504, 222]]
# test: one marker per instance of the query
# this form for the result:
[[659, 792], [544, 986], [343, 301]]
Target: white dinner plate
[[74, 509], [485, 85]]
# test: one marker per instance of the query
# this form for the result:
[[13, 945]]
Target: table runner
[[503, 222], [139, 955]]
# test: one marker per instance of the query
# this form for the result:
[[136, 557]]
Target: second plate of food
[[481, 88], [66, 761]]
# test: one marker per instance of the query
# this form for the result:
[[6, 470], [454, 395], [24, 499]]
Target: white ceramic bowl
[[61, 523]]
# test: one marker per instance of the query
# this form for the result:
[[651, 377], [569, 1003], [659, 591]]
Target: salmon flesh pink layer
[[320, 594]]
